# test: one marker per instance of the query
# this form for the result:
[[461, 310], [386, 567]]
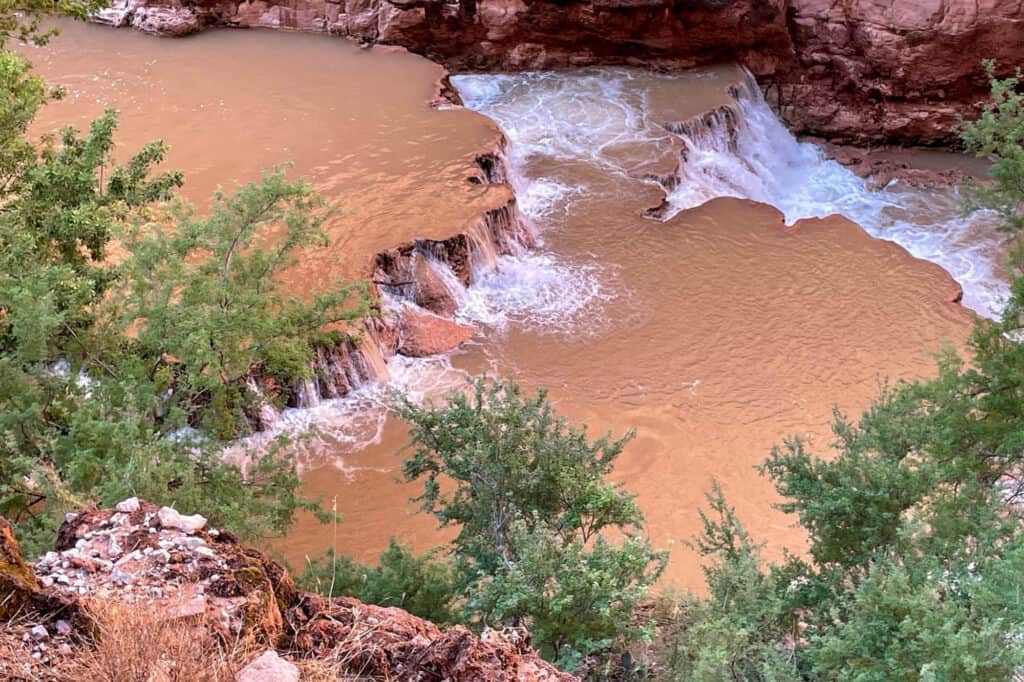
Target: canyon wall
[[898, 71], [893, 70]]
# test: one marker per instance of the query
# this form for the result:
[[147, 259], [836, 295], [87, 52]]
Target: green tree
[[913, 570], [532, 503], [205, 305], [745, 628], [105, 361], [998, 135], [422, 585], [22, 19]]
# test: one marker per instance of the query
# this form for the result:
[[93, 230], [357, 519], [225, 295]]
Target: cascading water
[[602, 117]]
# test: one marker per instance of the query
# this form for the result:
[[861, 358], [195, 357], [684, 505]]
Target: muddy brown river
[[714, 332]]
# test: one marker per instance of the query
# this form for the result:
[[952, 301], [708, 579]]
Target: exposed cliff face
[[178, 570], [851, 70], [893, 70]]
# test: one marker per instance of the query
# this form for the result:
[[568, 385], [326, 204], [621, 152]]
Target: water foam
[[333, 429], [540, 290], [591, 116], [596, 115], [761, 160]]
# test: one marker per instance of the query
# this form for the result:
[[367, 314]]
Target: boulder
[[422, 333], [170, 518], [129, 506], [269, 667], [431, 293]]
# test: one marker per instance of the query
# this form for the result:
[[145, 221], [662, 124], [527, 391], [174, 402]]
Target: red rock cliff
[[860, 70]]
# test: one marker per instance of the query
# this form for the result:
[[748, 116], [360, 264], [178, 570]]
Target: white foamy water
[[595, 116], [766, 163], [601, 117], [541, 292], [333, 429]]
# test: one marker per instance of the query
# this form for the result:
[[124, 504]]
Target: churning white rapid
[[598, 116]]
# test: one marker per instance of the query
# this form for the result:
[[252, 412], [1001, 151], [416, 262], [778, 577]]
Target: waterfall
[[736, 149], [752, 155]]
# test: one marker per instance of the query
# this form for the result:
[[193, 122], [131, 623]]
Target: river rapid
[[703, 277]]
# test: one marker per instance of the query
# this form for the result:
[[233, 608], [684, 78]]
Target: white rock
[[269, 667], [39, 633], [188, 609], [169, 518], [128, 506]]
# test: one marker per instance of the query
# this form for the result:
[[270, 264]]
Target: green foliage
[[422, 585], [103, 365], [529, 495], [21, 19], [998, 135], [205, 304], [916, 536], [913, 570], [742, 630], [576, 598]]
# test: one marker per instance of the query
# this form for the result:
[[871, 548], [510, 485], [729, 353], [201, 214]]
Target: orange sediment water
[[714, 334]]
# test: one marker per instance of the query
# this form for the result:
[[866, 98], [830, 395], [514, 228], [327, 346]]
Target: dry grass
[[16, 662], [341, 664], [133, 644]]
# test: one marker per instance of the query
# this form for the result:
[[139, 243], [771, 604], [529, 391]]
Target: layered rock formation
[[893, 70], [417, 285], [852, 70], [177, 569]]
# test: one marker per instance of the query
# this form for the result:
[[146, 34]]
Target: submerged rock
[[422, 333], [431, 291]]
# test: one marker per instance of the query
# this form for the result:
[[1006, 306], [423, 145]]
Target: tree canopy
[[132, 329], [529, 495]]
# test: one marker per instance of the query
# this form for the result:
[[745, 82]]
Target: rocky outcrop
[[422, 333], [174, 567], [879, 170], [893, 70], [387, 643], [851, 70], [508, 34], [417, 286], [173, 563]]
